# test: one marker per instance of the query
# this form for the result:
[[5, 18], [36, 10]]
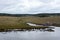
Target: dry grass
[[7, 22]]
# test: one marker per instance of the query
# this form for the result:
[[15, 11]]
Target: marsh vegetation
[[7, 22]]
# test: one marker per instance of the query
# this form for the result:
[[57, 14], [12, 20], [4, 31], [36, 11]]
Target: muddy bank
[[44, 24]]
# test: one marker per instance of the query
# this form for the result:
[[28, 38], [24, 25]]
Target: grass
[[7, 22]]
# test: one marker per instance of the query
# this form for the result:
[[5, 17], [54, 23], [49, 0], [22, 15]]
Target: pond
[[31, 35]]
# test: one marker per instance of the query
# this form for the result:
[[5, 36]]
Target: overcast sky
[[29, 6]]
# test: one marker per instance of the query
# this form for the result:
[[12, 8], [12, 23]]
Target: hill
[[39, 14]]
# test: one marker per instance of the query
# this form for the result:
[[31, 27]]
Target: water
[[31, 35]]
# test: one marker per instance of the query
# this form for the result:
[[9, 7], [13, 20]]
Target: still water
[[31, 35]]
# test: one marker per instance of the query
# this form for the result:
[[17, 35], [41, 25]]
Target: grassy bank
[[7, 22]]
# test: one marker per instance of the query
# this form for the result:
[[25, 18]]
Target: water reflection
[[10, 30], [33, 34]]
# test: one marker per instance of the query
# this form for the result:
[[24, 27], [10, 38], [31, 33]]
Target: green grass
[[7, 22]]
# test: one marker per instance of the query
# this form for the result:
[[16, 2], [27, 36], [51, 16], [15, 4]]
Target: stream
[[31, 35]]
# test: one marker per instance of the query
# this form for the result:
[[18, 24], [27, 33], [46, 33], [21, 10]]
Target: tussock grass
[[7, 22]]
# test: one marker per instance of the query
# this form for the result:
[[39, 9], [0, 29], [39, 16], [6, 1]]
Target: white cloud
[[29, 6]]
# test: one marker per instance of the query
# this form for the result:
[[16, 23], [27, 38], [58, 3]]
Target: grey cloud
[[46, 1], [29, 6]]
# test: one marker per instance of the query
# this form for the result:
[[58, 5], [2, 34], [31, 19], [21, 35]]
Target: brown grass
[[7, 22]]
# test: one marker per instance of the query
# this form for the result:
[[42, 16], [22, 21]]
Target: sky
[[29, 6]]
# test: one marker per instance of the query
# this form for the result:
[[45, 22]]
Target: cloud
[[29, 6]]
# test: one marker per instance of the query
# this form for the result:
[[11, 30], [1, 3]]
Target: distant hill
[[47, 14], [39, 14]]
